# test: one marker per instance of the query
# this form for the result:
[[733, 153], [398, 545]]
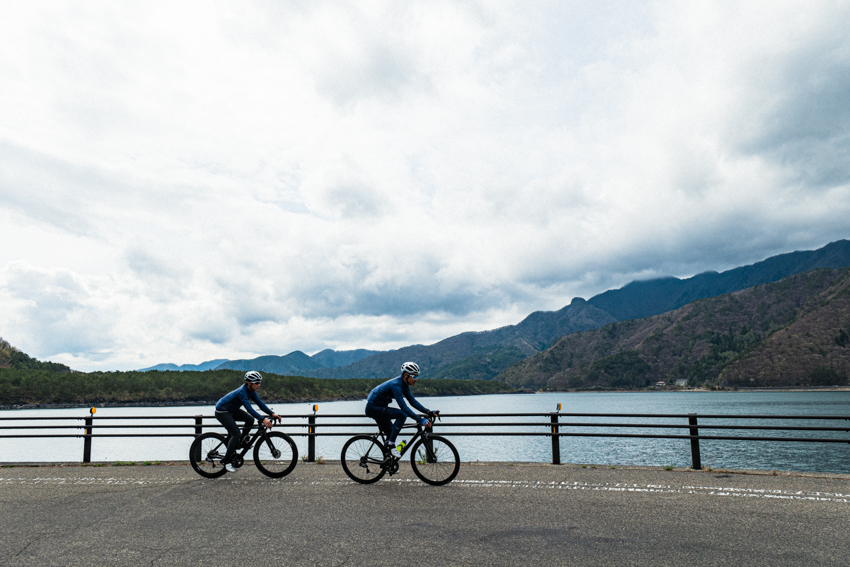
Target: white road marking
[[721, 491]]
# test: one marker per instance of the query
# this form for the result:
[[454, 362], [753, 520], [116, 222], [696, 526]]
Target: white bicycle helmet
[[411, 368], [253, 377]]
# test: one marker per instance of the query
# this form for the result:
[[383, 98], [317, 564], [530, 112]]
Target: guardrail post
[[430, 457], [694, 432], [87, 437], [556, 440], [311, 439], [199, 429]]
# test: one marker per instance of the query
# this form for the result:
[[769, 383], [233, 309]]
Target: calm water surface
[[823, 457]]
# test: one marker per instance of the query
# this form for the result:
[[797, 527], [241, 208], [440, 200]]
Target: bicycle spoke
[[435, 460], [362, 459], [206, 453], [275, 455]]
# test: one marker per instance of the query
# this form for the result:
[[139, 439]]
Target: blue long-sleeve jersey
[[242, 396], [395, 389]]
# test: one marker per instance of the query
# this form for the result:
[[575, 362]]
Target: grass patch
[[124, 464]]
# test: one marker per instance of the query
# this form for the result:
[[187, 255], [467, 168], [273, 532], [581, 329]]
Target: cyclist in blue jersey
[[229, 410], [377, 404]]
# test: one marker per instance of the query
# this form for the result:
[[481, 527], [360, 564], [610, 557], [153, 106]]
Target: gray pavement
[[492, 514]]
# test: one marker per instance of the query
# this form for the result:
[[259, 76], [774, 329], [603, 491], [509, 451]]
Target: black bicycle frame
[[261, 432], [423, 432]]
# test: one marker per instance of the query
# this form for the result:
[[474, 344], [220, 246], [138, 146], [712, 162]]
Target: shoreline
[[158, 403], [717, 390]]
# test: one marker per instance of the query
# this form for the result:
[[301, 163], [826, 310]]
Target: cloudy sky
[[183, 181]]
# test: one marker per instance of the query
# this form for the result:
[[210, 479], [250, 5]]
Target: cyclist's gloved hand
[[424, 422]]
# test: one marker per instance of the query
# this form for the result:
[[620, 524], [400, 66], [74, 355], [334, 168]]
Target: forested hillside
[[21, 387], [814, 349], [10, 357], [792, 332]]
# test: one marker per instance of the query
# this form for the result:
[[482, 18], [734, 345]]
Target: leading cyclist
[[229, 410], [398, 388]]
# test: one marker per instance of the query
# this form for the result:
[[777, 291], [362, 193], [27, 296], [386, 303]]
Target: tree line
[[26, 386]]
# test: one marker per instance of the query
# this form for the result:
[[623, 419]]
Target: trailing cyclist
[[229, 410], [398, 388]]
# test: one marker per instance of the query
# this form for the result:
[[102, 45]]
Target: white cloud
[[205, 180]]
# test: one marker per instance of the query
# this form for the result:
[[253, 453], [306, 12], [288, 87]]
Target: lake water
[[766, 455]]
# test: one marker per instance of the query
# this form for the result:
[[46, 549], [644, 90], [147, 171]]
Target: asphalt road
[[492, 514]]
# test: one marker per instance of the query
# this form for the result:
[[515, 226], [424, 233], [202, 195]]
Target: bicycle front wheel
[[276, 455], [206, 453], [435, 460], [362, 459]]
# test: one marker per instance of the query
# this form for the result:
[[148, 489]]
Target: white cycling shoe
[[229, 468], [394, 452]]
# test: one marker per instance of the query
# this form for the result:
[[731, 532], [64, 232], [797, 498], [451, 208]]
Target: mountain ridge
[[206, 365], [644, 298], [736, 339], [532, 334], [484, 354], [639, 299], [294, 362]]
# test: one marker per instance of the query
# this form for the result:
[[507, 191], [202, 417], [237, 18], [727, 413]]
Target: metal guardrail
[[550, 424]]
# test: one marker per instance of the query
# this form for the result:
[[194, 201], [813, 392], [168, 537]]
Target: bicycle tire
[[442, 468], [362, 459], [206, 453], [276, 455]]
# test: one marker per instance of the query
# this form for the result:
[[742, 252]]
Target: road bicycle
[[367, 458], [275, 454]]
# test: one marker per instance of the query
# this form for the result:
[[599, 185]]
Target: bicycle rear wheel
[[276, 455], [362, 459], [206, 453], [435, 460]]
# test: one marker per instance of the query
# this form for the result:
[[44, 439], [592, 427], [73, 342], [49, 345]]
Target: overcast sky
[[183, 181]]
